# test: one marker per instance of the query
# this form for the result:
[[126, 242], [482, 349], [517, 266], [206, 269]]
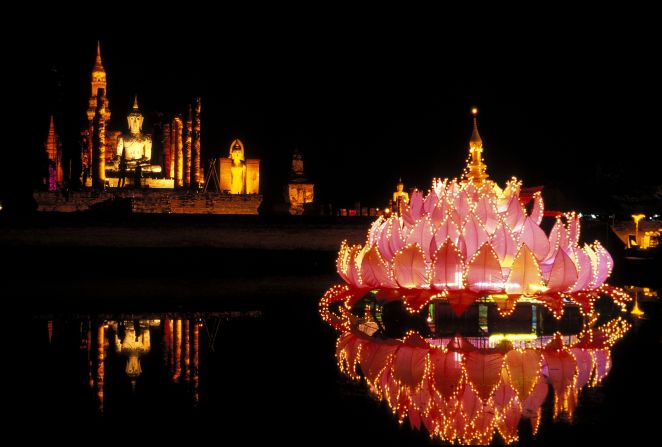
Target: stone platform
[[149, 201]]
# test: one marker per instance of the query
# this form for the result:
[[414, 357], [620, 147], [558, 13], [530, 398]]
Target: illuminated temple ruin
[[163, 175]]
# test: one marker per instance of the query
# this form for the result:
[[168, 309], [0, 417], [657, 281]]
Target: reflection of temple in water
[[122, 352]]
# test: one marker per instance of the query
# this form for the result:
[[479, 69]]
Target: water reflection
[[466, 379], [166, 344]]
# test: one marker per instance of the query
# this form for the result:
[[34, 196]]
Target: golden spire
[[51, 141], [135, 103], [476, 168], [475, 141], [98, 65]]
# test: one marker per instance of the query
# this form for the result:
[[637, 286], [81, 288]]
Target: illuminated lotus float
[[469, 239], [462, 389]]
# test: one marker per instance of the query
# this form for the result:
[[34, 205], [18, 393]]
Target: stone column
[[167, 153], [173, 149], [187, 148], [99, 145], [179, 162], [197, 169]]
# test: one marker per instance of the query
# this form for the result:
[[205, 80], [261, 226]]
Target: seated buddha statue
[[238, 169], [134, 151], [400, 198]]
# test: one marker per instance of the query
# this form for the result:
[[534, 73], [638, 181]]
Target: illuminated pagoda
[[469, 240], [53, 148]]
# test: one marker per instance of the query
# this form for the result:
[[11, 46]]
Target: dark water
[[265, 372]]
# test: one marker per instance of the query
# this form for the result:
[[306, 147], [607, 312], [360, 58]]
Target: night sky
[[368, 96]]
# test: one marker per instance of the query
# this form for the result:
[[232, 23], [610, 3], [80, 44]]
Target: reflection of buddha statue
[[400, 197], [134, 345], [135, 149], [238, 169]]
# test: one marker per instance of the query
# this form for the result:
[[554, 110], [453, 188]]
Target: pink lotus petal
[[375, 271], [508, 422], [440, 212], [602, 364], [474, 235], [585, 271], [420, 397], [504, 245], [384, 241], [421, 234], [484, 271], [514, 215], [563, 274], [430, 202], [554, 240], [347, 350], [531, 405], [375, 356], [484, 426], [525, 277], [462, 204], [397, 238], [605, 264], [503, 394], [446, 371], [407, 217], [471, 405], [533, 236], [447, 230], [409, 361], [354, 266], [416, 205], [342, 262], [523, 368], [375, 230], [562, 369], [448, 267], [487, 214], [538, 209], [409, 268], [564, 239], [457, 219], [584, 366], [484, 372]]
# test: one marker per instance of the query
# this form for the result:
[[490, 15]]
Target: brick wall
[[151, 201]]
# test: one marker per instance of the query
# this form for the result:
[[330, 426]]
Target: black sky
[[567, 98]]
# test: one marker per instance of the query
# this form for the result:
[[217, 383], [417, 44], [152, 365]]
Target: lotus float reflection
[[466, 389]]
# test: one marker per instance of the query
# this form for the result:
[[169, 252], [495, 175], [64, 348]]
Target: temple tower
[[179, 155], [99, 144], [98, 84], [54, 151], [197, 169], [476, 168], [187, 147]]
